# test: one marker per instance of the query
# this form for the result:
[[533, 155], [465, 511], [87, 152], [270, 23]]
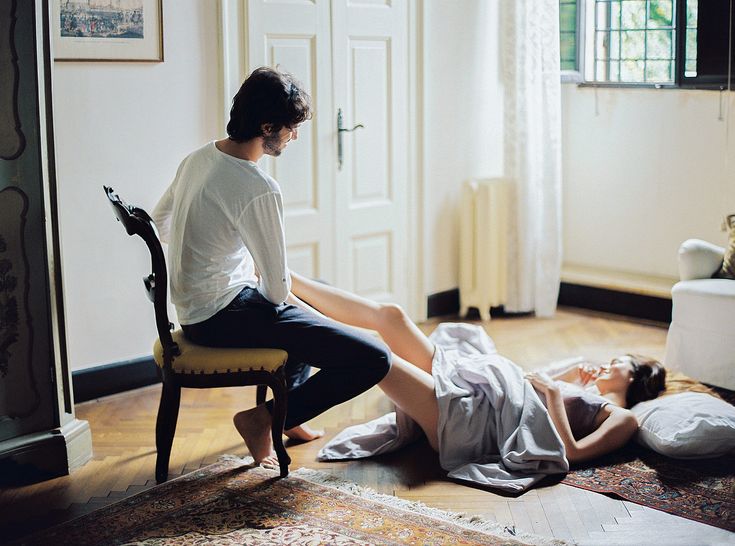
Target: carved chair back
[[137, 222]]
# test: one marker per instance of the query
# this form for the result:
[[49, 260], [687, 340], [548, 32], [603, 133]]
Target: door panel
[[304, 259], [369, 100], [370, 257], [371, 87], [294, 36]]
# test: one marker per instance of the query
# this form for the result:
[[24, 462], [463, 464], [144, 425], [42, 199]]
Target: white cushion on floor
[[687, 425]]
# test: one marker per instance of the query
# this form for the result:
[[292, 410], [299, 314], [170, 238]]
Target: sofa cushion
[[707, 304]]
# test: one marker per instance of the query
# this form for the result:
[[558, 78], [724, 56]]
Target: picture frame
[[108, 30]]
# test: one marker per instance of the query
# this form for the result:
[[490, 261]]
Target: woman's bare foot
[[303, 433], [254, 425]]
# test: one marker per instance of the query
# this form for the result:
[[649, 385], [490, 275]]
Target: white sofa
[[701, 338]]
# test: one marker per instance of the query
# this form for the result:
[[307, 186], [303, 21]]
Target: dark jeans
[[349, 361]]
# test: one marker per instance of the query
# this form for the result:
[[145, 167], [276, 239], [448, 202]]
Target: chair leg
[[168, 414], [260, 394], [278, 386]]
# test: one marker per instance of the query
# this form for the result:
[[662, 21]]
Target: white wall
[[126, 125], [463, 116], [647, 172]]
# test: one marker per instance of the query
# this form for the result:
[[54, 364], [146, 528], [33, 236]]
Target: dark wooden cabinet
[[39, 435]]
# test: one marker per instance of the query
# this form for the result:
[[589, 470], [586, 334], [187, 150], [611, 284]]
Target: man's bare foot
[[303, 433], [254, 425]]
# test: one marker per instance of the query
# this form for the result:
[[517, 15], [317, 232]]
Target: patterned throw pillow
[[727, 270]]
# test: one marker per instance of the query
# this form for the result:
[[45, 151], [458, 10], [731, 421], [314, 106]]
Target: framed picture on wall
[[108, 30]]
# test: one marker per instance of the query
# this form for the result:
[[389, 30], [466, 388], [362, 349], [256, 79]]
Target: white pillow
[[688, 425]]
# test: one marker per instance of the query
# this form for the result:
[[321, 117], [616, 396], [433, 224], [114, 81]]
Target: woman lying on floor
[[588, 425]]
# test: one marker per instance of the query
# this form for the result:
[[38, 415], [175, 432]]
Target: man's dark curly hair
[[267, 97]]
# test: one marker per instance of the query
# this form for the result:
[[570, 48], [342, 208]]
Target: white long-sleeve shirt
[[222, 218]]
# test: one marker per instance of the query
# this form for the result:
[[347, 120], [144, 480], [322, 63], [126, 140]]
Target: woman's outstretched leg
[[395, 327], [412, 390]]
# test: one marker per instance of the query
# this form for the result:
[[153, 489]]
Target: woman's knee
[[391, 313]]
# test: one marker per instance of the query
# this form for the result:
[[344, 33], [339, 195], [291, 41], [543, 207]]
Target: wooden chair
[[181, 363]]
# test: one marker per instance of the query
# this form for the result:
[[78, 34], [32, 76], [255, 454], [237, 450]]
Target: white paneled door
[[346, 213]]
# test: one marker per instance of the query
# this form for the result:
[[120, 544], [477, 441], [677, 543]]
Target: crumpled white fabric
[[493, 429]]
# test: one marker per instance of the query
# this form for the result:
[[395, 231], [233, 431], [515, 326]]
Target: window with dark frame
[[684, 43], [708, 47]]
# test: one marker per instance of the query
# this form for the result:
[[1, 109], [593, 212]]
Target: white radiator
[[483, 251]]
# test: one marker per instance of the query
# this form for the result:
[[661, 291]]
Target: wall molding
[[616, 302], [45, 455], [114, 378], [443, 303]]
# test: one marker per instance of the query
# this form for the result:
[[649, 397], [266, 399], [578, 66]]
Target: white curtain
[[529, 44]]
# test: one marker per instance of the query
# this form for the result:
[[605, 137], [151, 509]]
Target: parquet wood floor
[[124, 448]]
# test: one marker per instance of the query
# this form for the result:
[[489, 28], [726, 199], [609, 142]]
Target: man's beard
[[272, 145]]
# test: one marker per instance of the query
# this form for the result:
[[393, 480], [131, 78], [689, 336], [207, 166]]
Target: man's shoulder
[[249, 176], [240, 181]]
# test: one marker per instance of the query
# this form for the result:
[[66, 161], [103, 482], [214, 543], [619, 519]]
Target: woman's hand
[[542, 383], [587, 373]]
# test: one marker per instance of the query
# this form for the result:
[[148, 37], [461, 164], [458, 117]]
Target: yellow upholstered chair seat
[[197, 359]]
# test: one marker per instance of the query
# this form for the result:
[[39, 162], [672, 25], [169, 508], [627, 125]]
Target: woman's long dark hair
[[649, 379], [267, 97]]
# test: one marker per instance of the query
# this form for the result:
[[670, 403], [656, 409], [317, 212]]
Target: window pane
[[659, 45], [615, 71], [632, 71], [659, 71], [568, 34], [692, 10], [615, 14], [601, 45], [568, 47], [690, 69], [615, 44], [660, 13], [691, 45], [601, 71], [633, 14], [604, 17], [633, 44], [567, 17]]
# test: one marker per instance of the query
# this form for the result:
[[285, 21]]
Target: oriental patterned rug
[[231, 502], [701, 490]]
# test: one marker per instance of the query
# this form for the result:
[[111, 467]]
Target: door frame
[[233, 66]]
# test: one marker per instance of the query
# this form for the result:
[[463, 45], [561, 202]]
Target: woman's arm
[[617, 425], [577, 373]]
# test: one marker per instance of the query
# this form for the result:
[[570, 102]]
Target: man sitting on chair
[[222, 217]]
